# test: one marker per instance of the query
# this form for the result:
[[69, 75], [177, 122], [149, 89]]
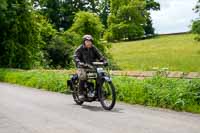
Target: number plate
[[91, 75]]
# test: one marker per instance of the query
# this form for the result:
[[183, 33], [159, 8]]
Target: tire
[[77, 100], [75, 96], [107, 95]]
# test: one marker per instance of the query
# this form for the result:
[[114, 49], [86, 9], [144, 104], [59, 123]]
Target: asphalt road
[[28, 110]]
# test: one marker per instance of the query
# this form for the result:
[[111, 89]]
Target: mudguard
[[71, 81], [69, 84]]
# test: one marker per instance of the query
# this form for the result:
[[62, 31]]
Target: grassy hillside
[[175, 52]]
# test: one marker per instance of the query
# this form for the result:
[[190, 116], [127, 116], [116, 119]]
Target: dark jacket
[[87, 55]]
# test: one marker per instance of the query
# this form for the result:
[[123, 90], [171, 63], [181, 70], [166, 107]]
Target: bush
[[59, 53], [88, 23], [48, 80], [25, 33], [196, 29], [176, 94], [126, 31], [108, 36]]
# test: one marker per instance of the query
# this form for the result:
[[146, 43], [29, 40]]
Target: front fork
[[100, 80]]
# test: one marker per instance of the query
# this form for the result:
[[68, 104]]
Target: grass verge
[[176, 94], [47, 80]]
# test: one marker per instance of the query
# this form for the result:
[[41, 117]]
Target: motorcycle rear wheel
[[75, 96]]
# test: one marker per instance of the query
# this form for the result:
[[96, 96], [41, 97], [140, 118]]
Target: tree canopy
[[130, 19], [44, 33], [196, 23]]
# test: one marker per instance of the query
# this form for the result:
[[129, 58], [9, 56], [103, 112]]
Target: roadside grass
[[47, 80], [176, 94], [175, 52]]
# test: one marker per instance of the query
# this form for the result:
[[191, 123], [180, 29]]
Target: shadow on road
[[99, 108]]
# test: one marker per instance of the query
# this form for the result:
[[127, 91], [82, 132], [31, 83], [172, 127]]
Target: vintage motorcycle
[[98, 87]]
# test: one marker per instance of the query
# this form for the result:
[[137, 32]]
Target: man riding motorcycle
[[84, 55]]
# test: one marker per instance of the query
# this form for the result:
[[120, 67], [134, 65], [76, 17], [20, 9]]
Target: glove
[[81, 64], [89, 66]]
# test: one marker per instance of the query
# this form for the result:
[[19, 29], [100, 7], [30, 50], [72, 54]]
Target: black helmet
[[87, 37]]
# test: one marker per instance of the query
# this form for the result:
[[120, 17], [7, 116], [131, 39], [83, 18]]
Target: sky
[[174, 16]]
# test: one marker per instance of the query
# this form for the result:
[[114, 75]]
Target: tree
[[196, 23], [148, 27], [196, 29], [152, 5], [59, 53], [24, 35], [127, 19], [197, 7], [61, 13], [19, 36], [104, 10], [3, 9], [130, 19], [57, 46], [88, 23]]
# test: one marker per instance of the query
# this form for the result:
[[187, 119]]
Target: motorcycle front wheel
[[107, 95]]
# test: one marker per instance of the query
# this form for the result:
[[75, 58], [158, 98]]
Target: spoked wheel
[[107, 95], [75, 95]]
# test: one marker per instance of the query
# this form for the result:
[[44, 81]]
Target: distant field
[[175, 52]]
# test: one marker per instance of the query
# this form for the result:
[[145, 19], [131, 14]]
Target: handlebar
[[93, 64], [98, 63]]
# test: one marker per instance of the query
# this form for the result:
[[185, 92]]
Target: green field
[[175, 52]]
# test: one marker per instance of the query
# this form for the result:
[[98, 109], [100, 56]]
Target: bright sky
[[174, 16]]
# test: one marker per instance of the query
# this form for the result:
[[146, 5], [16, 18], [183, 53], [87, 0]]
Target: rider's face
[[88, 43]]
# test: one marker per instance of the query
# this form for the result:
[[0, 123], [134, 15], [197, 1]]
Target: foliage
[[51, 81], [196, 29], [196, 23], [104, 10], [197, 7], [88, 23], [20, 39], [148, 27], [130, 20], [60, 50], [62, 12], [58, 53], [126, 19], [176, 94], [32, 31], [28, 40]]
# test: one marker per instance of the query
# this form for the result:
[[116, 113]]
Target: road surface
[[28, 110]]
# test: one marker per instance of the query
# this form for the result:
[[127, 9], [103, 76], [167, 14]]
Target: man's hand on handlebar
[[85, 65], [102, 63], [81, 64]]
